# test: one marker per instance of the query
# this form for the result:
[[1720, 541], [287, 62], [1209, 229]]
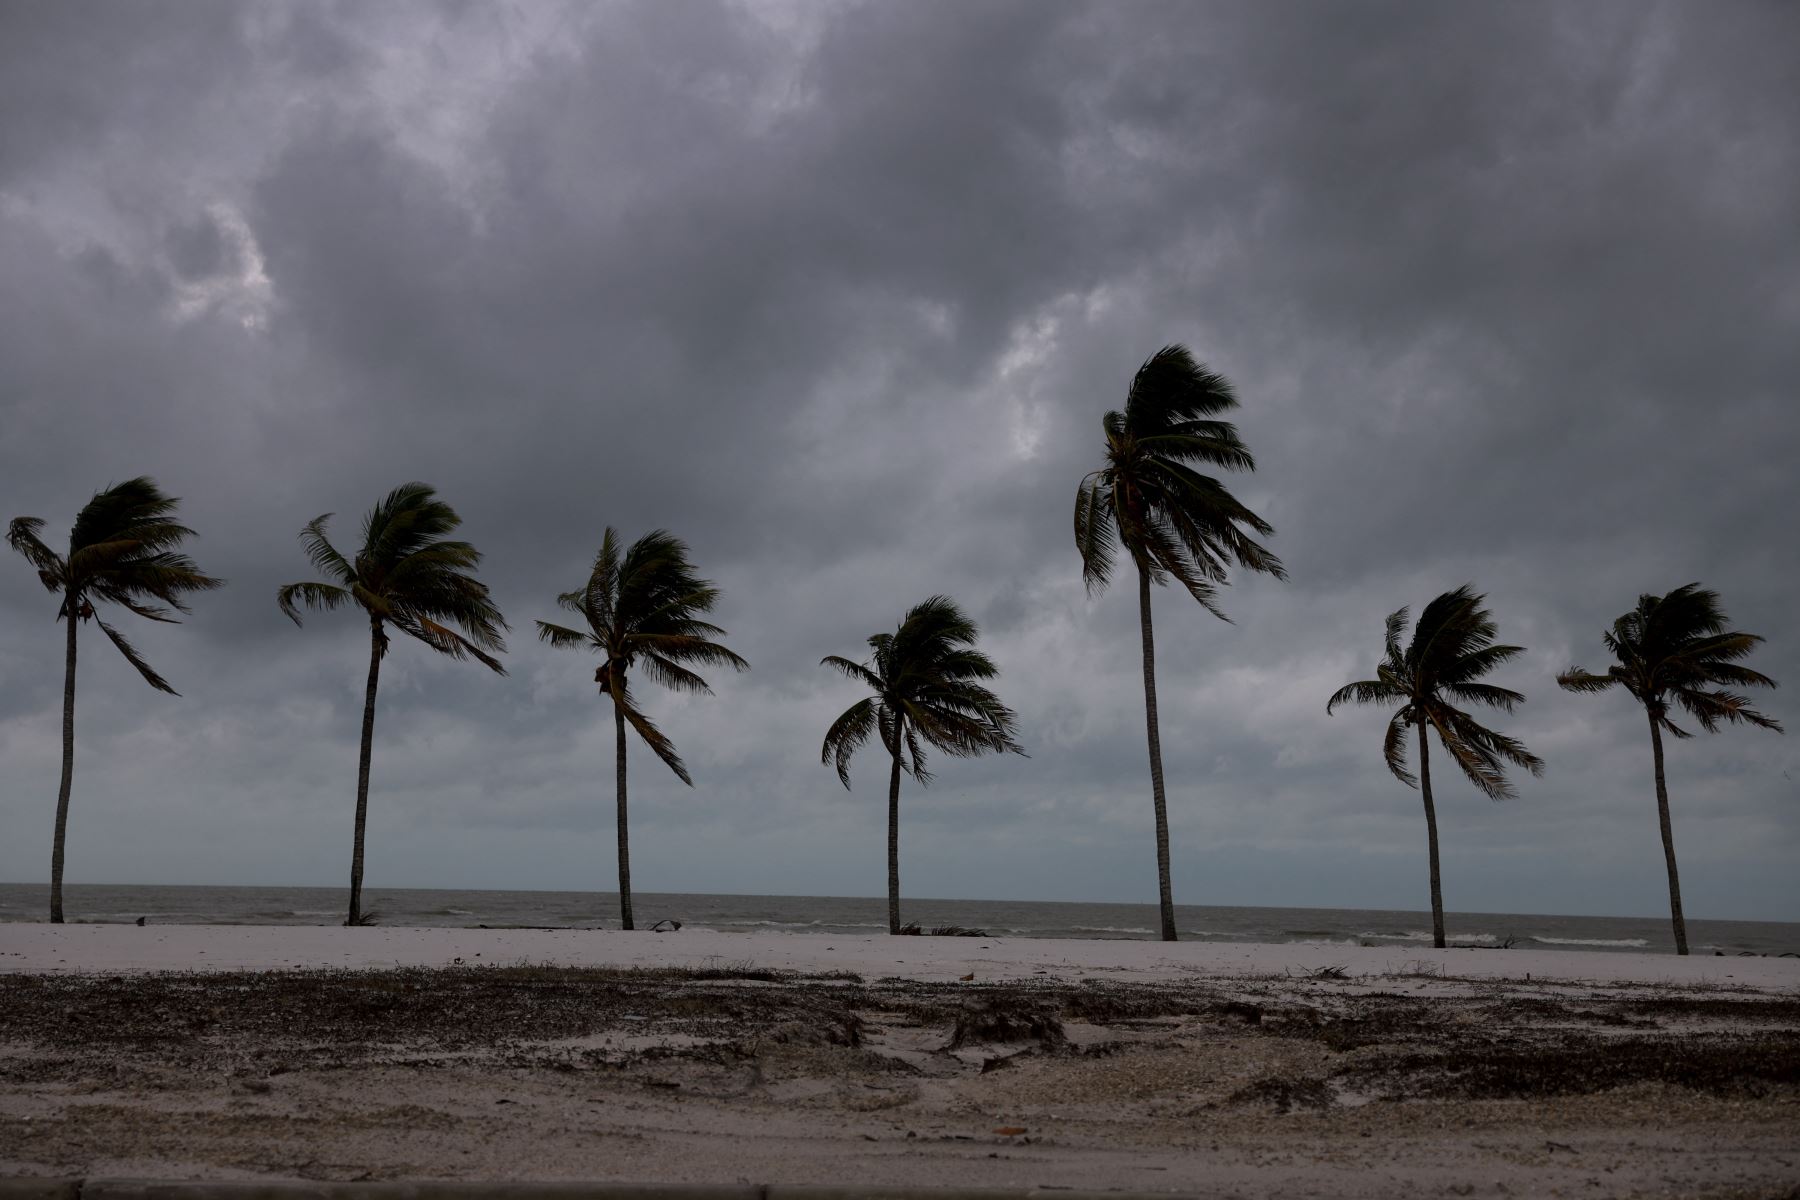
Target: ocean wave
[[1109, 929], [1215, 933], [1556, 941], [762, 923], [1420, 935]]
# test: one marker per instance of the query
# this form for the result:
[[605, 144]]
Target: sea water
[[405, 907]]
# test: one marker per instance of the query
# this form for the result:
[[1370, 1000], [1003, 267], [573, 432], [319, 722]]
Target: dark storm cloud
[[838, 294]]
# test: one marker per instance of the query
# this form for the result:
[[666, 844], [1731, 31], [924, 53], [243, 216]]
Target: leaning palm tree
[[1676, 649], [408, 576], [124, 550], [643, 608], [923, 679], [1452, 647], [1174, 522]]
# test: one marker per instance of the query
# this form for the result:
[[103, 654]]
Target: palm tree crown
[[1451, 649], [643, 609], [1675, 649], [407, 574], [123, 550], [923, 679], [1174, 521]]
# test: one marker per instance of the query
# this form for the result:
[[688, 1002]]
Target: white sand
[[34, 948]]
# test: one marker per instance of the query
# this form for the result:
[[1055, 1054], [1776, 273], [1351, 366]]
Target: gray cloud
[[838, 294]]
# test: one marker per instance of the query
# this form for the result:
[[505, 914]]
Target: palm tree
[[643, 608], [923, 679], [408, 576], [124, 549], [1173, 521], [1675, 648], [1452, 647]]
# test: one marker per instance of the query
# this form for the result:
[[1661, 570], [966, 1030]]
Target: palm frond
[[1094, 533], [673, 675], [1395, 626], [135, 659], [320, 597], [848, 734], [853, 670], [445, 640], [652, 736], [1484, 693], [1714, 706], [321, 553], [1575, 679], [558, 635], [1393, 749], [688, 648], [22, 536], [1366, 691]]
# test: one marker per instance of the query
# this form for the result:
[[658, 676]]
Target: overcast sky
[[838, 293]]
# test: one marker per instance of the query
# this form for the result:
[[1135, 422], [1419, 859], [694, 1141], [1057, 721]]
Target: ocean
[[403, 907]]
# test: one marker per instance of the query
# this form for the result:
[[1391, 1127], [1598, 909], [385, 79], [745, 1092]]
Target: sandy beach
[[238, 1052]]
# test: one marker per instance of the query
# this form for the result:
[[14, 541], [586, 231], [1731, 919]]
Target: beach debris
[[1009, 1130], [666, 925], [966, 978], [1336, 971], [1007, 1021], [1241, 1010], [1285, 1094], [140, 922], [914, 929]]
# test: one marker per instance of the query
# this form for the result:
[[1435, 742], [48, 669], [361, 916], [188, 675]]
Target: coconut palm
[[1676, 650], [1174, 522], [1452, 647], [643, 608], [923, 677], [124, 549], [406, 575]]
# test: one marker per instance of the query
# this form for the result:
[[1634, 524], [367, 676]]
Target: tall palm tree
[[407, 575], [1174, 522], [643, 608], [124, 549], [1452, 647], [1675, 649], [923, 679]]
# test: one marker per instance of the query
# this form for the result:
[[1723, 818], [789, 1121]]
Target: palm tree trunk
[[376, 650], [624, 839], [894, 843], [68, 769], [1668, 836], [1437, 886], [1165, 894]]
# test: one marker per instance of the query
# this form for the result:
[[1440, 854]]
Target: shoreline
[[115, 949]]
